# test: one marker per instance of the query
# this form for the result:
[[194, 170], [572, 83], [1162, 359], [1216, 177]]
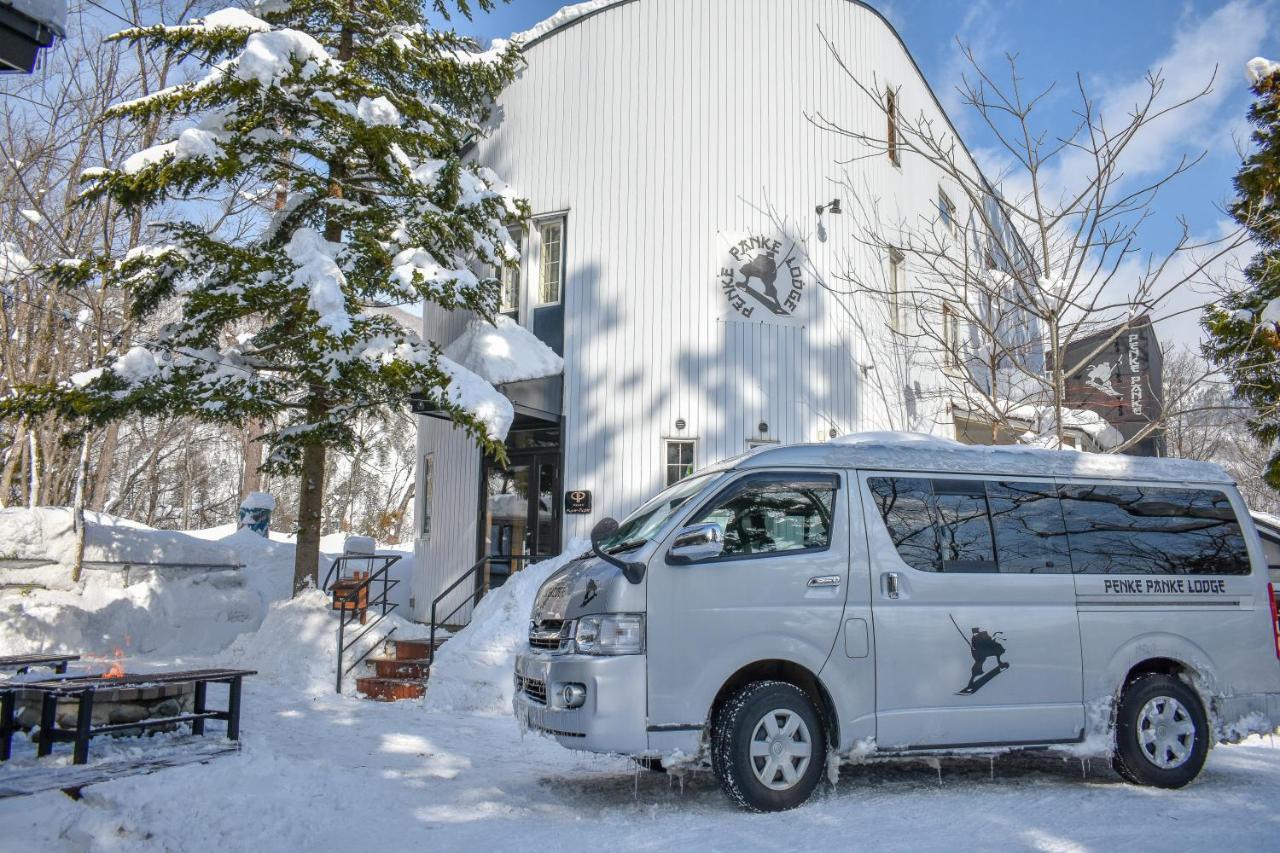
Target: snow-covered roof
[[926, 453], [51, 13], [503, 351]]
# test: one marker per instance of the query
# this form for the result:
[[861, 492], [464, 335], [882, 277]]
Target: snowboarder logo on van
[[590, 593], [983, 645]]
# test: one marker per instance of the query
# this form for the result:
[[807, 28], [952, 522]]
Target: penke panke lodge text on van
[[901, 595]]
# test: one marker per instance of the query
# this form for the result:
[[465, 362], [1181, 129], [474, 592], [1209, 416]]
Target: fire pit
[[77, 708]]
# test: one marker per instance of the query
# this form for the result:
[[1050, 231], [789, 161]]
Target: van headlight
[[611, 634]]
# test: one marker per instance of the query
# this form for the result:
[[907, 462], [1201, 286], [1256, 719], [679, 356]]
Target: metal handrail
[[478, 593], [348, 615]]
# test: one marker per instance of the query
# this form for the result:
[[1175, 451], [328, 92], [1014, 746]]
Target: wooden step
[[412, 649], [394, 668], [391, 689]]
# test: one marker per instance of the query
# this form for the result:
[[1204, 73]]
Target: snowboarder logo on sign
[[758, 273], [1098, 377], [983, 646]]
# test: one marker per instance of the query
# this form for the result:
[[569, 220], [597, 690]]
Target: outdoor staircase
[[399, 672]]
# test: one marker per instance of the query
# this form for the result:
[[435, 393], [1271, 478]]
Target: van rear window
[[1153, 531]]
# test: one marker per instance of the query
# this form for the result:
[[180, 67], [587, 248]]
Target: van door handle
[[825, 580], [892, 585]]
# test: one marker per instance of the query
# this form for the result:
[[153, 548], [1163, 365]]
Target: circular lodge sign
[[762, 278]]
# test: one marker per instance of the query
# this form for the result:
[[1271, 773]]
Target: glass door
[[522, 512]]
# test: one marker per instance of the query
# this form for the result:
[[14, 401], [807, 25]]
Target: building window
[[510, 279], [896, 288], [947, 212], [428, 471], [950, 335], [679, 461], [891, 128], [551, 266]]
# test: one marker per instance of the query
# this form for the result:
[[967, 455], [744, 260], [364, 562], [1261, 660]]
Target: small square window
[[679, 461], [551, 267]]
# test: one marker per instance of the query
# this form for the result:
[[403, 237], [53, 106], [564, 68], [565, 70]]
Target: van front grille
[[547, 635], [534, 689]]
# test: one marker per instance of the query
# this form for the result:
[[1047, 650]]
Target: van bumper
[[611, 720]]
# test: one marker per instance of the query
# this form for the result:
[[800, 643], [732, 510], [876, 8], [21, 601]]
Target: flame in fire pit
[[117, 666]]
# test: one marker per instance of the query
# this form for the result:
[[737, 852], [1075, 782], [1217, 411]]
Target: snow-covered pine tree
[[1244, 329], [360, 112]]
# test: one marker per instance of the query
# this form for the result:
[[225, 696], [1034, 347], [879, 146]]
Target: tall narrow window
[[428, 472], [950, 335], [896, 284], [891, 128], [510, 278], [947, 212], [551, 267], [679, 461]]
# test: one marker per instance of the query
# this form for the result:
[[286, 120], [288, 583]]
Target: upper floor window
[[947, 212], [897, 289], [510, 279], [551, 264], [951, 342], [774, 512], [428, 473], [679, 461], [891, 127]]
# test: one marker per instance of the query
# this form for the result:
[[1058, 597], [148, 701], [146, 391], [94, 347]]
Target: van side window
[[1153, 531], [945, 525], [773, 513]]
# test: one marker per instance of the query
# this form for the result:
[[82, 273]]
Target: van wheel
[[768, 746], [1162, 733]]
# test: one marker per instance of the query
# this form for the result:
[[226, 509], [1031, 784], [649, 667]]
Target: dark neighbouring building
[[1120, 378]]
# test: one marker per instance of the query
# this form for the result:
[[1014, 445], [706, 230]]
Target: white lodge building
[[674, 259]]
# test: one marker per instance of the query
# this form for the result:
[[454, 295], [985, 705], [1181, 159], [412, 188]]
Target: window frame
[[666, 465], [892, 111], [897, 280], [540, 225], [951, 359], [518, 236], [428, 486], [947, 212], [838, 478]]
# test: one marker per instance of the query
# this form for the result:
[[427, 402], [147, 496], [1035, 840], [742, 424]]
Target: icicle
[[635, 784], [1084, 768], [991, 767]]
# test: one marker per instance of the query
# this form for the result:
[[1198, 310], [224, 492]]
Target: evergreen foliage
[[1243, 337]]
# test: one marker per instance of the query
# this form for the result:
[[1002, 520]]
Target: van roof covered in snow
[[917, 452]]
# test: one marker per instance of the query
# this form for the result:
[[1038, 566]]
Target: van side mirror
[[697, 542], [604, 528]]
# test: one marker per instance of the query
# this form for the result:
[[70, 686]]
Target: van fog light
[[573, 695]]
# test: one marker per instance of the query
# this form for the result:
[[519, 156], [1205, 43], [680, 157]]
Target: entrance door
[[977, 641], [521, 512]]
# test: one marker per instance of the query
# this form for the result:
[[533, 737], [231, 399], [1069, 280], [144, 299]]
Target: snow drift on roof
[[504, 351], [566, 15]]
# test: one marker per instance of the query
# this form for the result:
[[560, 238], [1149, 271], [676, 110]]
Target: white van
[[905, 596]]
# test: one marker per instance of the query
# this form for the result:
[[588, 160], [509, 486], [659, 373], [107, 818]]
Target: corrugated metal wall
[[665, 129]]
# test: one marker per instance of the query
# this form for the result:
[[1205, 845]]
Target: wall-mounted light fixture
[[762, 427], [680, 424], [832, 206]]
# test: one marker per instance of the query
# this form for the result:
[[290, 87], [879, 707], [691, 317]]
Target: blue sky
[[1112, 45]]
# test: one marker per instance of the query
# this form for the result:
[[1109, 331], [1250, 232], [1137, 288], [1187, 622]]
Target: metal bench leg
[[6, 724], [84, 727], [48, 714], [197, 725], [233, 709]]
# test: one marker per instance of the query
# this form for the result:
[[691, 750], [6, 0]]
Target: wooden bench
[[83, 690], [21, 664]]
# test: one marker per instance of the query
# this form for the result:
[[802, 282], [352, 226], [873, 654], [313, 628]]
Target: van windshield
[[636, 529]]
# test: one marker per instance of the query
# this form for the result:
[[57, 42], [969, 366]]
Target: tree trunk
[[77, 508], [251, 454], [306, 561], [11, 462], [106, 458]]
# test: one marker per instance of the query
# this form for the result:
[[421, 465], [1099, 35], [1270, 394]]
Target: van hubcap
[[1166, 732], [781, 749]]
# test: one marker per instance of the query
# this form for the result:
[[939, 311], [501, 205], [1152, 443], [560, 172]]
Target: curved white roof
[[931, 454]]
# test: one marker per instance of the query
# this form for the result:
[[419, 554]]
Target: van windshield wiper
[[629, 545]]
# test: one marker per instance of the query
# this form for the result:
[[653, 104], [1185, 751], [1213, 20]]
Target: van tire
[[1139, 705], [734, 729]]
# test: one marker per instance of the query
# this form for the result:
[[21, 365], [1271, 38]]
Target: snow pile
[[378, 111], [565, 16], [227, 19], [1258, 69], [268, 57], [13, 264], [468, 391], [503, 351], [321, 277], [258, 500], [158, 610], [473, 670]]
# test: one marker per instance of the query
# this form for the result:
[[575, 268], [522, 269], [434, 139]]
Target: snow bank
[[503, 351], [473, 670], [161, 610]]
